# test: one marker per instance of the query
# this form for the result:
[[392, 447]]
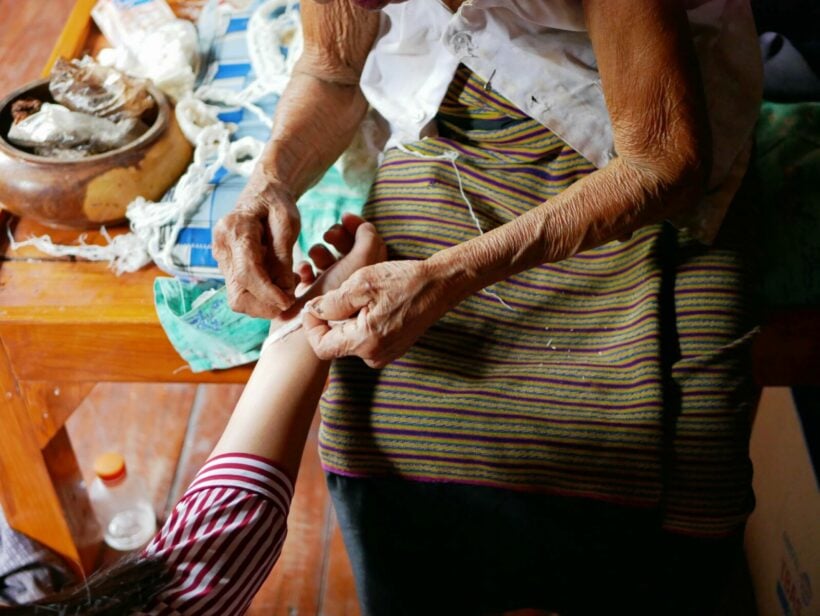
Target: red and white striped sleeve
[[223, 537]]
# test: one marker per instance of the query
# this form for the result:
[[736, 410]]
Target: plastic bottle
[[121, 505]]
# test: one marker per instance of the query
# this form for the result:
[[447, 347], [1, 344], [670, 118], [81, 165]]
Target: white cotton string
[[193, 115], [267, 36], [489, 291], [150, 221], [245, 99], [272, 69], [243, 154], [124, 249], [275, 335], [452, 155]]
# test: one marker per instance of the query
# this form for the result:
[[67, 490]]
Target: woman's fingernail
[[314, 306]]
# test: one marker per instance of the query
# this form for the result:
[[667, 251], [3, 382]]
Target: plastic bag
[[59, 132], [124, 23], [170, 58], [88, 87], [149, 42]]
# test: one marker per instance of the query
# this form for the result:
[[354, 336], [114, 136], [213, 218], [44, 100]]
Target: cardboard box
[[783, 534]]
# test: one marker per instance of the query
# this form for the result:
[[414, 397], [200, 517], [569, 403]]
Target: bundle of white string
[[266, 37]]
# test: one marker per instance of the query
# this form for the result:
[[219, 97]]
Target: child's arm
[[273, 416], [227, 531]]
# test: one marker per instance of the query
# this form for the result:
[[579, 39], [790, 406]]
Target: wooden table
[[65, 326]]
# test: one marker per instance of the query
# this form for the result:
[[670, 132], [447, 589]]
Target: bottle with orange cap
[[121, 504]]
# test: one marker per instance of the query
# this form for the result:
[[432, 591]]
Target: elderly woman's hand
[[378, 313], [316, 119], [254, 244]]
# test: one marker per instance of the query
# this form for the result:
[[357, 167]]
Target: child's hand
[[359, 245]]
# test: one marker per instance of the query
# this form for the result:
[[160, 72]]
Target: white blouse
[[539, 56]]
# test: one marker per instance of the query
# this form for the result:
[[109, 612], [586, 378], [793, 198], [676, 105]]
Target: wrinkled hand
[[254, 248], [378, 313]]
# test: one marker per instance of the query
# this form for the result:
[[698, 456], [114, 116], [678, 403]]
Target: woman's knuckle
[[376, 363], [236, 300]]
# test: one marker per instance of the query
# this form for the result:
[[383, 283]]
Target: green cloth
[[323, 205], [786, 175], [203, 328], [196, 316]]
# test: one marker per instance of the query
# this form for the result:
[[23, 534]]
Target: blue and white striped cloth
[[322, 206]]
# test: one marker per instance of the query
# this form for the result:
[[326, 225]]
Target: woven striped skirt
[[620, 374]]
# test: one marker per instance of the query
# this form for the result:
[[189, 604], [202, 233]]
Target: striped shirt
[[223, 537]]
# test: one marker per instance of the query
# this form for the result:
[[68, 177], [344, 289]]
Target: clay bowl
[[96, 190]]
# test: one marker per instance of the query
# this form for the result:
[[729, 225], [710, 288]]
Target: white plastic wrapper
[[149, 42], [57, 131], [170, 58], [124, 23]]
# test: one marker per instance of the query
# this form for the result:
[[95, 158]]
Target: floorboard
[[210, 413]]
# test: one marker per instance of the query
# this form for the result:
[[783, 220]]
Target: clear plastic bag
[[59, 132], [88, 87]]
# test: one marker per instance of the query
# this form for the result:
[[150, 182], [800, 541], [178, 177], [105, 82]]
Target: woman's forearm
[[651, 84], [607, 204], [315, 122]]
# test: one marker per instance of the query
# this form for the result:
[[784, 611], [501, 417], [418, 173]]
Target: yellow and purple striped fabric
[[617, 374]]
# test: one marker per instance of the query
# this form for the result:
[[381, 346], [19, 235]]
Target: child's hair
[[123, 588]]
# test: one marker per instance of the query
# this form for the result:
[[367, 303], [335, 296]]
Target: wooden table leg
[[50, 404], [71, 491], [41, 490]]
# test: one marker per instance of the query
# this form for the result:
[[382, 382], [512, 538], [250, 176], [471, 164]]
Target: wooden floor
[[28, 31], [166, 431]]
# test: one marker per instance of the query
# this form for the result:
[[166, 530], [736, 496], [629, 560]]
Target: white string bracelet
[[284, 330]]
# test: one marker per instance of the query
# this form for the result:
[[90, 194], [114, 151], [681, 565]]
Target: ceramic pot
[[95, 190]]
